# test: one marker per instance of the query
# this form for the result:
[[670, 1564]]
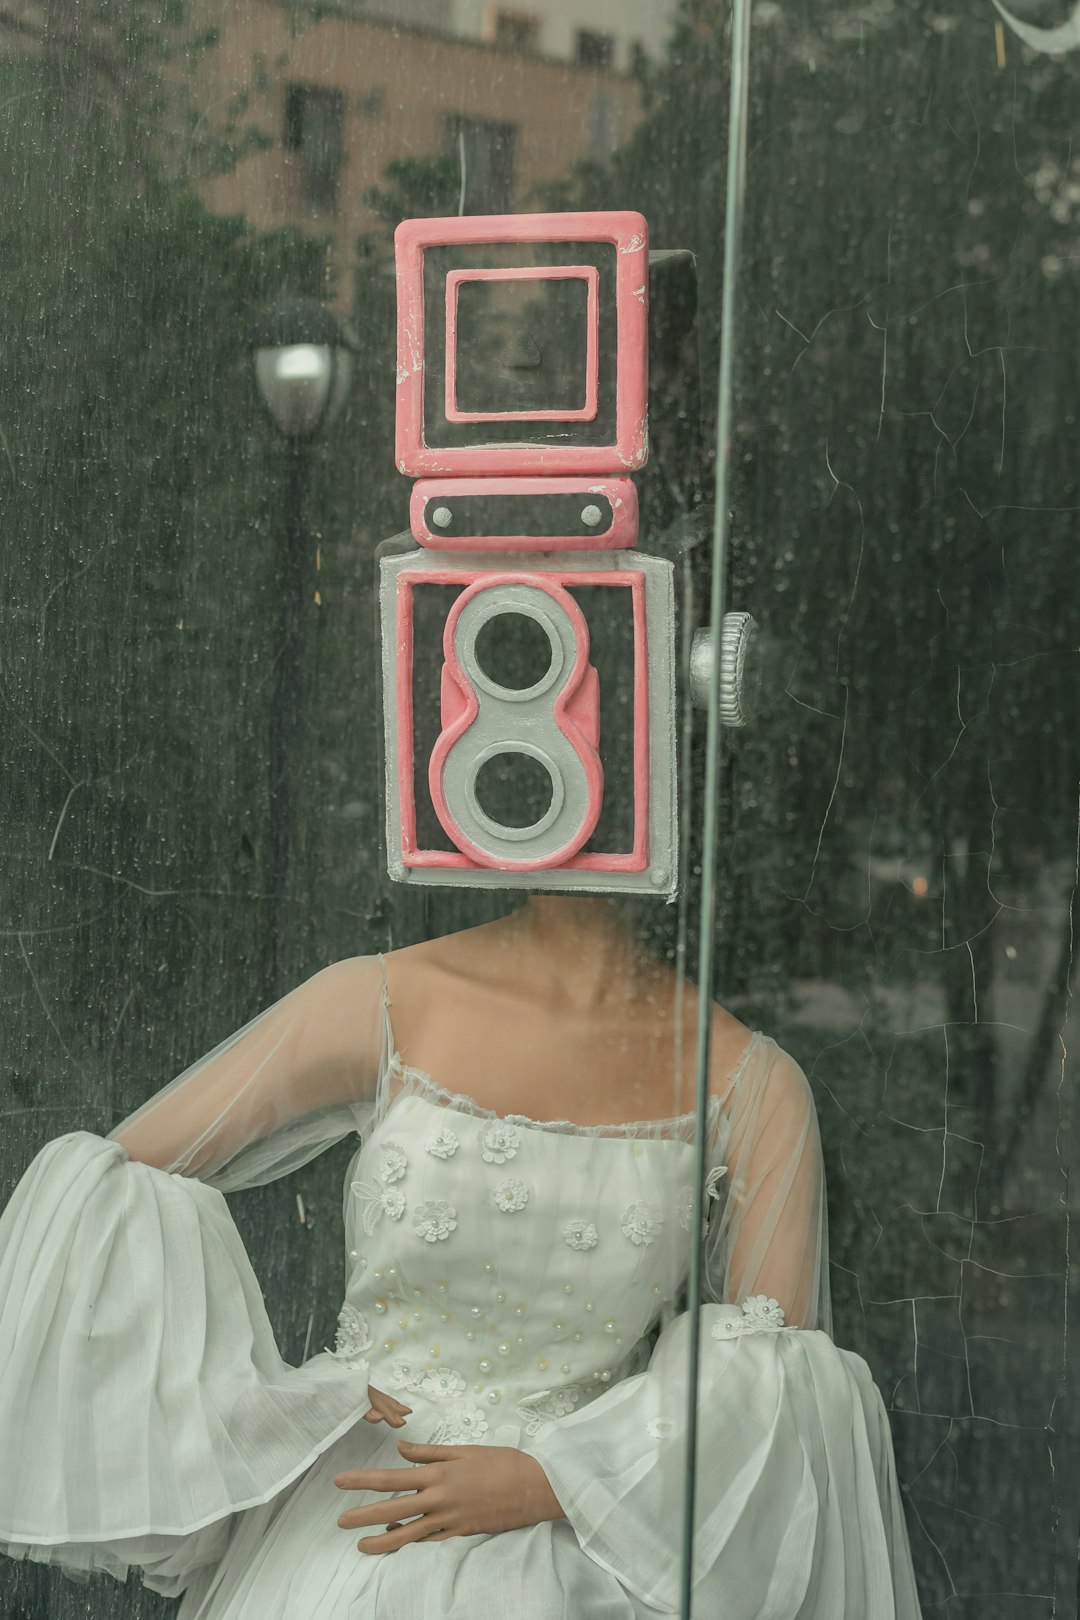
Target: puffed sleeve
[[797, 1510], [143, 1401]]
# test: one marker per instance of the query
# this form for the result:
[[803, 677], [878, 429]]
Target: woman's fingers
[[385, 1407], [400, 1537], [384, 1479], [425, 1453], [381, 1512]]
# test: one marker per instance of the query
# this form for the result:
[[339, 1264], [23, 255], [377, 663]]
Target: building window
[[512, 30], [486, 148], [315, 142], [594, 50]]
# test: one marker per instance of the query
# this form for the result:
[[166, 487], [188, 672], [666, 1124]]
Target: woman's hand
[[455, 1491], [384, 1407]]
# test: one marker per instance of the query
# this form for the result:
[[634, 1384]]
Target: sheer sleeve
[[292, 1081], [797, 1509], [143, 1399], [768, 1235]]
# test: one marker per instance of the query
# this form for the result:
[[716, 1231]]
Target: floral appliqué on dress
[[379, 1201], [435, 1219], [511, 1194], [461, 1425], [760, 1314], [641, 1223], [392, 1162], [686, 1214], [443, 1144], [353, 1335], [443, 1383], [580, 1235], [537, 1410], [499, 1141]]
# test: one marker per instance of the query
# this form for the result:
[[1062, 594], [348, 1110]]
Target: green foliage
[[137, 504]]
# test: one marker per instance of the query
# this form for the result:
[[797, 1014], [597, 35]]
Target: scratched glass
[[192, 788]]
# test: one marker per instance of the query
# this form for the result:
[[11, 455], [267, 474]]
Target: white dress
[[504, 1275]]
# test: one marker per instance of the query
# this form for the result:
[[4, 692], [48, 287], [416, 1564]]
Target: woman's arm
[[318, 1048], [769, 1237]]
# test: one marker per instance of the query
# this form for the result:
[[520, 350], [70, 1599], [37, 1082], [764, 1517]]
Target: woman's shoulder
[[769, 1086]]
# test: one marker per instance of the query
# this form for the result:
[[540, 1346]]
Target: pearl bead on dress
[[491, 1331]]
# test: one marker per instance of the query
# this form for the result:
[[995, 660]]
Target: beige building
[[339, 98], [596, 33], [601, 33]]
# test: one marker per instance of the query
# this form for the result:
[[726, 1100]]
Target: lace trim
[[678, 1126], [760, 1314]]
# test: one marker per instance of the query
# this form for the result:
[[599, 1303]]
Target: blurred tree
[[135, 502], [896, 286]]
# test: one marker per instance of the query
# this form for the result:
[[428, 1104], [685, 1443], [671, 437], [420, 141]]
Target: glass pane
[[899, 821], [494, 1075], [408, 787]]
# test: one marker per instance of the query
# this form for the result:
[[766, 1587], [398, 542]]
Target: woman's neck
[[583, 943]]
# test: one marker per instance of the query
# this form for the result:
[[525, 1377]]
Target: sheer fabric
[[155, 1423], [269, 1098], [322, 1063]]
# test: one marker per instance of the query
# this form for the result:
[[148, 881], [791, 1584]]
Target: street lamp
[[303, 366]]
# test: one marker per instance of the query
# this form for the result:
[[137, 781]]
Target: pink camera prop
[[482, 319], [524, 514], [528, 651], [586, 412]]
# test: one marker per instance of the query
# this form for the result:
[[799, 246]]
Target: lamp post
[[303, 365]]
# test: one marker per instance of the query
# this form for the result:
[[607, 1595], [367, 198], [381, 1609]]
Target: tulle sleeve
[[284, 1087], [767, 1236], [143, 1400], [796, 1510]]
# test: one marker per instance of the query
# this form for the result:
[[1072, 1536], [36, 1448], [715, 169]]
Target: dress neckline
[[461, 1102]]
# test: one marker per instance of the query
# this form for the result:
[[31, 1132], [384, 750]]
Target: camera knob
[[734, 647]]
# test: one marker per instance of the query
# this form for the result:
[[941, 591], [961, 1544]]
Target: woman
[[517, 1223]]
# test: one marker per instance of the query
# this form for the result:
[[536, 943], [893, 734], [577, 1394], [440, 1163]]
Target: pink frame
[[621, 492], [576, 713], [637, 858], [587, 273], [628, 233]]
